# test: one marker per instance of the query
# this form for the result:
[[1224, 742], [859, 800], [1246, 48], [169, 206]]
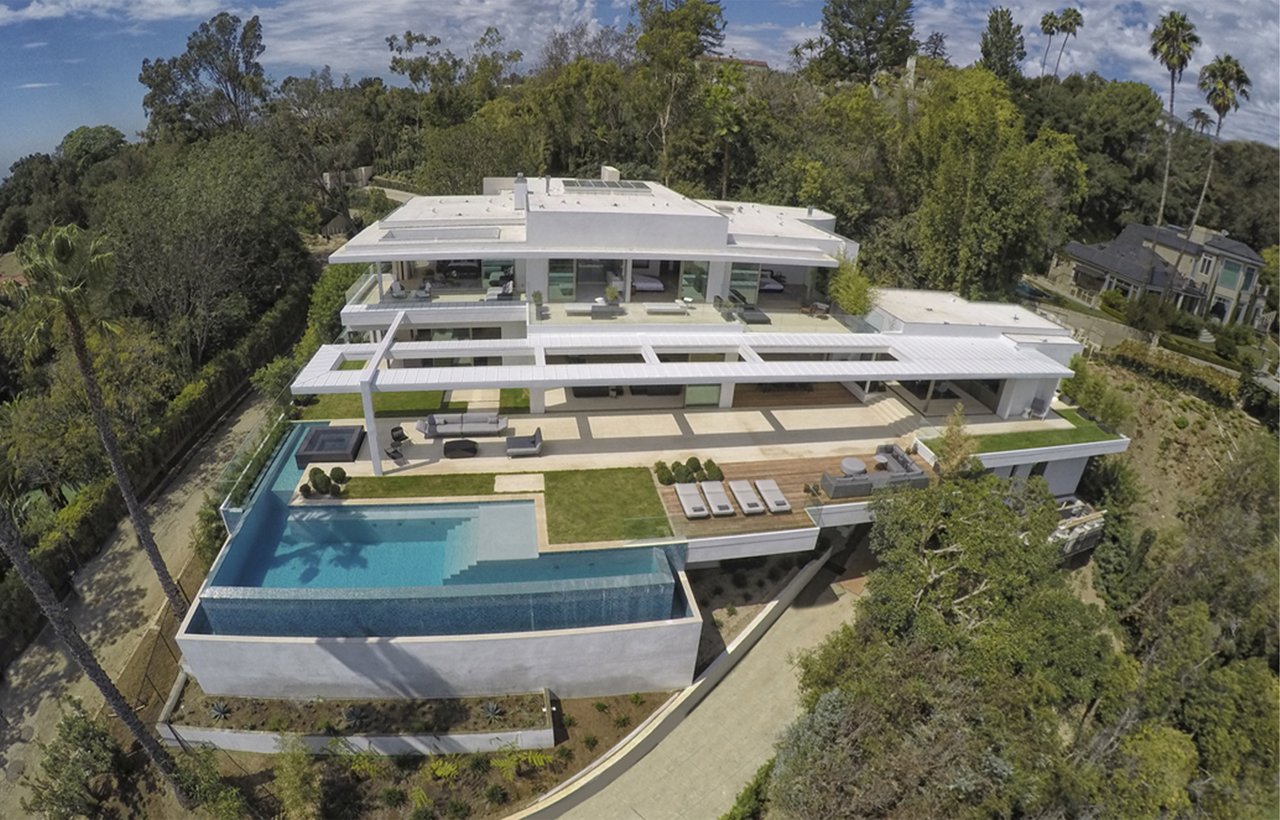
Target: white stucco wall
[[749, 545]]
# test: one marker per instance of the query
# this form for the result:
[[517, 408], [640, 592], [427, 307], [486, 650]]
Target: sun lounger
[[746, 497], [691, 500], [773, 496], [717, 498], [525, 445]]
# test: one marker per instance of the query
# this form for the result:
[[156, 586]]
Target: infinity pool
[[338, 570]]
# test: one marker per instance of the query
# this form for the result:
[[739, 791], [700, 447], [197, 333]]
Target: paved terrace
[[793, 445]]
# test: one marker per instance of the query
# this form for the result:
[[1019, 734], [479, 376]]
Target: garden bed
[[733, 594], [323, 716]]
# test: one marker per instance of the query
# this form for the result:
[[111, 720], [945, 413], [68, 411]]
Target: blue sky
[[65, 63]]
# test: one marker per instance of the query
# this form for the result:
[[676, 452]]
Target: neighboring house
[[644, 326], [1216, 276]]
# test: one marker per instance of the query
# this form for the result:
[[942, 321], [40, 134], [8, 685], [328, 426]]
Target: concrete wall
[[535, 277], [1064, 476], [1016, 395], [574, 663], [710, 550]]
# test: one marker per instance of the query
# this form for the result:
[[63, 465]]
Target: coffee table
[[852, 466], [460, 448]]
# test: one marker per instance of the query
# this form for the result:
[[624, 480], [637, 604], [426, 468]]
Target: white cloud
[[128, 9], [310, 33], [37, 85], [35, 45]]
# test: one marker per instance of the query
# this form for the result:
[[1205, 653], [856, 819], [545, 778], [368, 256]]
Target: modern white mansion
[[644, 326]]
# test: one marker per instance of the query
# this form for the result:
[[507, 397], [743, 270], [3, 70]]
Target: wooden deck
[[792, 474]]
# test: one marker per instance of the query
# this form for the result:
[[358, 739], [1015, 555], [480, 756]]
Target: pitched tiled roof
[[1131, 261], [1235, 247]]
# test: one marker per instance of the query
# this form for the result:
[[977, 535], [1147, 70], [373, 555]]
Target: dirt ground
[[731, 595], [1177, 440]]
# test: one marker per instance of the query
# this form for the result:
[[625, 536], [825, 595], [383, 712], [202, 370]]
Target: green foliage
[[591, 741], [208, 532], [73, 763], [1115, 300], [198, 771], [713, 471], [852, 290], [1156, 767], [496, 795], [320, 482], [1002, 45], [297, 781], [338, 475], [1095, 394], [1211, 385], [861, 39], [393, 797], [956, 448], [753, 801], [444, 768], [663, 473]]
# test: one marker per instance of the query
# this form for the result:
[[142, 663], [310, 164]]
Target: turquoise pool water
[[337, 570]]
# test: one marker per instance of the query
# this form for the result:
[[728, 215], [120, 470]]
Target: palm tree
[[1048, 27], [1069, 23], [59, 268], [1173, 41], [1224, 83], [80, 652], [1200, 122]]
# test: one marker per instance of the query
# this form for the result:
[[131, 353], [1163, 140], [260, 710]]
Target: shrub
[[297, 781], [496, 795], [208, 533], [338, 475], [637, 698], [663, 473], [1211, 385], [1181, 422], [199, 775], [1115, 300], [81, 753], [601, 706], [305, 491], [730, 610], [457, 809], [336, 490], [714, 473], [753, 800], [478, 763], [738, 579], [622, 721], [681, 473], [569, 721], [314, 474], [591, 741], [694, 465], [393, 798], [321, 483]]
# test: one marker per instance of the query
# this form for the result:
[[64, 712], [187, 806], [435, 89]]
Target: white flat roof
[[913, 358], [566, 220], [936, 307]]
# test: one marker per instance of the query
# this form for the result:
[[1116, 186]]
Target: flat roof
[[904, 357], [937, 307]]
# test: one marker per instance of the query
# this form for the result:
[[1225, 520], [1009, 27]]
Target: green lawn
[[1084, 431], [514, 400], [352, 364], [620, 504], [348, 406]]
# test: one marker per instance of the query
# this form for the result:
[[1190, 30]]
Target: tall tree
[[862, 37], [80, 652], [1224, 83], [1173, 41], [60, 268], [216, 83], [935, 47], [1069, 22], [1048, 27], [1002, 45]]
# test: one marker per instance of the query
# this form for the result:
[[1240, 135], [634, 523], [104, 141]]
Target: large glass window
[[1249, 275], [693, 281], [1230, 277], [744, 283], [560, 280]]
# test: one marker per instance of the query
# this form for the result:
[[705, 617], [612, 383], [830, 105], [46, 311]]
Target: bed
[[646, 284]]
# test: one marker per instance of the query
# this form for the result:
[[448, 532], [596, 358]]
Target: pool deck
[[792, 444]]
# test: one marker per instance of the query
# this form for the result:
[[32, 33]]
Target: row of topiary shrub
[[1210, 384], [321, 483], [683, 472]]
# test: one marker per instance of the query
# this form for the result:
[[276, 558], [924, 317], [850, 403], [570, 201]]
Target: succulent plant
[[219, 710], [492, 711], [353, 715]]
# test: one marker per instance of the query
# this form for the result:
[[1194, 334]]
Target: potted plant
[[537, 303], [611, 294]]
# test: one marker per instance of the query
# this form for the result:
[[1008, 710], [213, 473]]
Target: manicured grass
[[619, 504], [1083, 432], [514, 400], [348, 406], [351, 364], [603, 505]]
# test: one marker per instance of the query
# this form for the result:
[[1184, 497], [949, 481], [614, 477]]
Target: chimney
[[521, 191], [810, 211], [546, 184], [610, 174]]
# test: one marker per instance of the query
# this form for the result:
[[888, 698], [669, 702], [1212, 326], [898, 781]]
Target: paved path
[[117, 598], [696, 772]]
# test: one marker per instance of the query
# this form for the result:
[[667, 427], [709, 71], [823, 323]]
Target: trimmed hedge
[[1195, 351], [1210, 384], [84, 525]]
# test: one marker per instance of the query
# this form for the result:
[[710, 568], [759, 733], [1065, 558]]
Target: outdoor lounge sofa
[[691, 501], [746, 497], [525, 445], [717, 498], [773, 496], [899, 470], [441, 425]]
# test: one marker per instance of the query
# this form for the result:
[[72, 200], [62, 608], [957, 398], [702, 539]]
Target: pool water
[[442, 568]]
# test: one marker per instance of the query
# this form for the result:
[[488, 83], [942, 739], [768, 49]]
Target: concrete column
[[726, 395], [371, 427], [717, 281], [537, 401], [535, 279]]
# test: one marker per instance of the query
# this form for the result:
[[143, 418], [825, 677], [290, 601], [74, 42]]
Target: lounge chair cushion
[[691, 500]]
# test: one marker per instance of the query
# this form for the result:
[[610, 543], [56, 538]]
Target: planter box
[[244, 740]]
